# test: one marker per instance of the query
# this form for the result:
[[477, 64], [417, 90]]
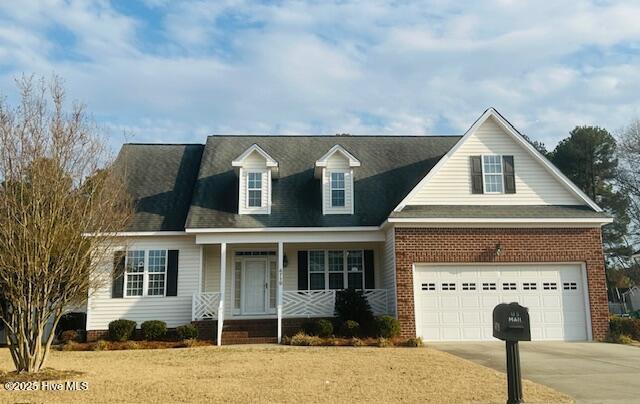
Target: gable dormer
[[335, 170], [256, 169]]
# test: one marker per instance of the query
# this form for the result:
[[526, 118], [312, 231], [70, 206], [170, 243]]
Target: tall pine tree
[[588, 158]]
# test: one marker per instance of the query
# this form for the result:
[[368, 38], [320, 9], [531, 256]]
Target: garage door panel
[[459, 305]]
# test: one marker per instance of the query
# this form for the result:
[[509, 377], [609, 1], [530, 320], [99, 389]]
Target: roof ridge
[[339, 136], [161, 144]]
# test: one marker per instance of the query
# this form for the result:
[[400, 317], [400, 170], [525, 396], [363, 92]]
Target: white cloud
[[326, 67]]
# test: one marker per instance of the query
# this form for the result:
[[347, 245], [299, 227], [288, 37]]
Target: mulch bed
[[132, 345]]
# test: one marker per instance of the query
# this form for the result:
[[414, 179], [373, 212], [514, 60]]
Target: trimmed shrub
[[387, 327], [122, 330], [413, 342], [350, 329], [187, 331], [153, 330], [302, 339], [100, 345], [69, 336], [352, 305], [325, 328], [625, 326], [322, 328]]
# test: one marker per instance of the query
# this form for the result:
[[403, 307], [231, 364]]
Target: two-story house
[[247, 235]]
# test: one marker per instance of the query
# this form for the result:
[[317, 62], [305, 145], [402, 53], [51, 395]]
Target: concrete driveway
[[590, 372]]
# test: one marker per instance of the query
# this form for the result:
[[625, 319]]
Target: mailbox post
[[511, 324]]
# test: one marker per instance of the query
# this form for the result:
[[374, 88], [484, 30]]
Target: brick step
[[234, 334], [249, 340]]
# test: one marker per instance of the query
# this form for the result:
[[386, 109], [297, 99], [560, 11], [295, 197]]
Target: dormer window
[[335, 169], [256, 169], [254, 189], [337, 190]]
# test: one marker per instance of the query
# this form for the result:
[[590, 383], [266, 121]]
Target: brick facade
[[468, 245]]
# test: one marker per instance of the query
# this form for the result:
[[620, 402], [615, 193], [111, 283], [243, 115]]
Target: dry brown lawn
[[277, 374]]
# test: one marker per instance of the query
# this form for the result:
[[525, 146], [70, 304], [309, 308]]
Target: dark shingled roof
[[160, 178], [497, 211], [194, 186], [391, 167]]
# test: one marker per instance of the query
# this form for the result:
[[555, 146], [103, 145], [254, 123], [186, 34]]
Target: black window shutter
[[509, 175], [476, 175], [117, 277], [369, 277], [172, 273], [303, 274]]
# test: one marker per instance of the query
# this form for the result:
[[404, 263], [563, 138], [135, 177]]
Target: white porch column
[[280, 287], [223, 273]]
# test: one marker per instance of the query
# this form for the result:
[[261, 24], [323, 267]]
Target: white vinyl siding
[[388, 270], [451, 185], [254, 163], [174, 310], [337, 164]]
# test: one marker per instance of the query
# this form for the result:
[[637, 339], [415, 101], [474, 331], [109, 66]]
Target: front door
[[255, 286]]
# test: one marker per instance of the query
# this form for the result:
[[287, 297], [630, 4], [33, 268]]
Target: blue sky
[[169, 71]]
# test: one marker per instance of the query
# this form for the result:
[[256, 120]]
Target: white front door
[[255, 286]]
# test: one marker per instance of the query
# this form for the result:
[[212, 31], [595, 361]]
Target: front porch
[[260, 291]]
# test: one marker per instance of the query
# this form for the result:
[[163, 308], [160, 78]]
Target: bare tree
[[630, 174], [56, 184]]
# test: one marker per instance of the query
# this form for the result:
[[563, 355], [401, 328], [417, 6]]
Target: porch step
[[249, 340], [234, 334], [253, 328]]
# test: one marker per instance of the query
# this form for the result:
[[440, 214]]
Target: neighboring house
[[247, 235]]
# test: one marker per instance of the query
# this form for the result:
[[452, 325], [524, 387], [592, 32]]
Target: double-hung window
[[355, 269], [316, 270], [337, 190], [254, 189], [336, 269], [146, 273], [492, 171]]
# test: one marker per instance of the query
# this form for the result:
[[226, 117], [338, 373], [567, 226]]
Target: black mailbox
[[511, 322]]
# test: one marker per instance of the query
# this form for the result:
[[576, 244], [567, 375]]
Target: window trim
[[484, 174], [343, 189], [145, 274], [326, 272], [248, 189], [349, 185]]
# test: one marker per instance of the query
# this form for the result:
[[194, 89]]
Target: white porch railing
[[204, 306], [377, 299], [321, 303]]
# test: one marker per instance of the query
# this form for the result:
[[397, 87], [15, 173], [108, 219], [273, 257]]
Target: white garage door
[[455, 302]]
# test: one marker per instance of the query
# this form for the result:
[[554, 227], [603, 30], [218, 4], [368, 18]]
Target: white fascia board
[[292, 237], [282, 229], [239, 161], [138, 234], [500, 221], [509, 129], [353, 162]]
